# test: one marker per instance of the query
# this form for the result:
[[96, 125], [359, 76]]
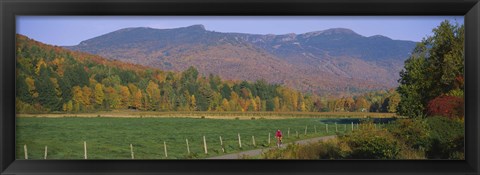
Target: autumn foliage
[[448, 106]]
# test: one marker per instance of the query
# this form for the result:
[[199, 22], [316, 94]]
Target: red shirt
[[278, 134]]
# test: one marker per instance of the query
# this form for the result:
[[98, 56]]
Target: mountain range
[[335, 61]]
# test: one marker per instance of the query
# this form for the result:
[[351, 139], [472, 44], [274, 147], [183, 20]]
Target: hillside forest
[[54, 79]]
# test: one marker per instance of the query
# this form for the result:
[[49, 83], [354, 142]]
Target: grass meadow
[[110, 138]]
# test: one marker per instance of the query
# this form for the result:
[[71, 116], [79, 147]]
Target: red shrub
[[448, 106]]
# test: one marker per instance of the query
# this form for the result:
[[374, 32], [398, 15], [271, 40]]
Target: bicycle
[[279, 142]]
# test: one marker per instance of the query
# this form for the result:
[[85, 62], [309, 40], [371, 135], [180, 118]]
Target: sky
[[71, 30]]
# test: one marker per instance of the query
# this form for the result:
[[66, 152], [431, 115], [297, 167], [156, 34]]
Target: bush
[[446, 137], [22, 107], [407, 152], [333, 149], [369, 143], [414, 132], [448, 106], [330, 149]]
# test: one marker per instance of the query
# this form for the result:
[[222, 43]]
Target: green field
[[110, 138]]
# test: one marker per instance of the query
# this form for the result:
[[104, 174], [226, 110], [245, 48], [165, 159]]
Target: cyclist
[[278, 135]]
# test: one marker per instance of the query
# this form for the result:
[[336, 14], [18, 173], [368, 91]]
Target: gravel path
[[260, 151]]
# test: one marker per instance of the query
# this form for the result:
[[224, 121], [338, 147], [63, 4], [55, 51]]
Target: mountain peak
[[339, 31], [196, 27], [331, 31]]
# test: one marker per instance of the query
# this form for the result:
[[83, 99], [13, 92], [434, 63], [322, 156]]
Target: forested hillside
[[52, 79], [55, 79]]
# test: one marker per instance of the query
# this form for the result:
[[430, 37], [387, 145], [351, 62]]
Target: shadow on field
[[355, 120]]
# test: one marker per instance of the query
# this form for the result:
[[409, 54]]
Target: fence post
[[205, 145], [345, 128], [288, 134], [165, 148], [269, 138], [131, 151], [221, 144], [26, 152], [297, 134], [45, 156], [305, 129], [326, 127], [336, 130], [315, 127], [358, 126], [253, 141], [85, 149], [352, 126], [188, 147], [239, 141]]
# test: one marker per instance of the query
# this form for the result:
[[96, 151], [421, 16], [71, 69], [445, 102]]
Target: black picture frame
[[10, 8]]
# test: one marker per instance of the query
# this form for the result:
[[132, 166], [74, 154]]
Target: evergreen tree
[[47, 96], [22, 92], [226, 91]]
